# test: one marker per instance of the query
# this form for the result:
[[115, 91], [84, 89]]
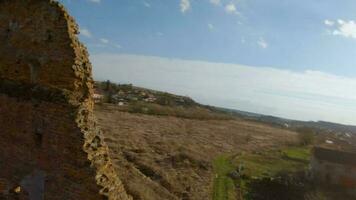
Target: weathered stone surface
[[50, 147]]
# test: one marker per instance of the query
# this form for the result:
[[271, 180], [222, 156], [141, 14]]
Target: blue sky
[[314, 41]]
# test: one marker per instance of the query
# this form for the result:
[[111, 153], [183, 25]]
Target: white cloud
[[211, 26], [231, 8], [262, 43], [184, 6], [95, 1], [329, 23], [345, 28], [340, 21], [104, 40], [118, 46], [215, 2], [145, 3], [309, 95], [85, 32], [160, 34]]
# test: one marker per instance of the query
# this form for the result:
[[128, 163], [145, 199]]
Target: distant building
[[335, 165], [150, 98], [98, 96]]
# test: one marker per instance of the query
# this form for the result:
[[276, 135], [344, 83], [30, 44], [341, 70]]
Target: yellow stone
[[18, 189]]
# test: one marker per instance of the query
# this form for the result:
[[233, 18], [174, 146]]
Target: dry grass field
[[166, 157]]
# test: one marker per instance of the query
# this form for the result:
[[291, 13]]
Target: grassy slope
[[194, 112]]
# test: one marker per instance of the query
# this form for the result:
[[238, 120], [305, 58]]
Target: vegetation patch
[[275, 174], [197, 112], [306, 135], [301, 154], [224, 186], [271, 163]]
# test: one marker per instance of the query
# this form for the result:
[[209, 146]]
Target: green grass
[[258, 165], [298, 153], [270, 163], [224, 187]]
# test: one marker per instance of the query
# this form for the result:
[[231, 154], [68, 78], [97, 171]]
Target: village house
[[150, 98], [98, 96], [333, 164]]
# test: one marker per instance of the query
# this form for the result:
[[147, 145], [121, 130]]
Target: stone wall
[[50, 147], [333, 167]]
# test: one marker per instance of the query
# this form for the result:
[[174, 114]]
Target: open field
[[167, 157]]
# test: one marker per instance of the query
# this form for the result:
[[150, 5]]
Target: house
[[334, 164], [98, 96], [150, 98]]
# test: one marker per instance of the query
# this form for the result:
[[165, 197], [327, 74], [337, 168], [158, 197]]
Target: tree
[[107, 85], [306, 135]]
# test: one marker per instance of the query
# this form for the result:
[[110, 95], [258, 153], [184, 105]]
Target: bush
[[177, 111], [315, 196], [306, 136]]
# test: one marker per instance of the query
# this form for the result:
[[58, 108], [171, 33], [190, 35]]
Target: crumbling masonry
[[50, 147]]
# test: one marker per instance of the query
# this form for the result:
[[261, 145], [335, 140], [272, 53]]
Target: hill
[[167, 146], [327, 127], [134, 99], [141, 100]]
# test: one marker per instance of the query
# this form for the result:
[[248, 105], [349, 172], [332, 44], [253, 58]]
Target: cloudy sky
[[289, 58]]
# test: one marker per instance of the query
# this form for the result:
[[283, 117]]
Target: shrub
[[315, 196], [306, 136]]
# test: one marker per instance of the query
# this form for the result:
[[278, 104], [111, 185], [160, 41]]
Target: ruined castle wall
[[334, 167], [50, 147]]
